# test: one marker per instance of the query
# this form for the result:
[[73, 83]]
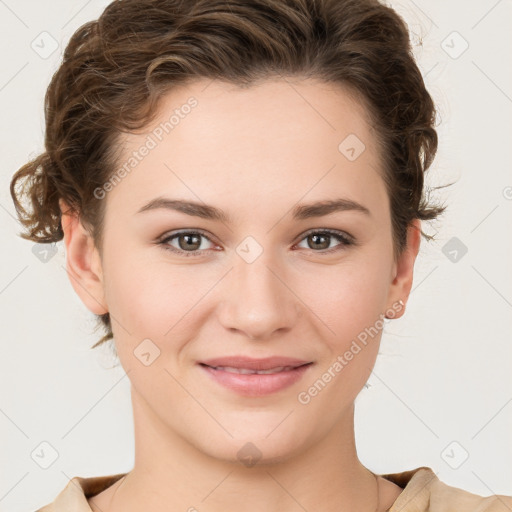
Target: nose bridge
[[257, 302]]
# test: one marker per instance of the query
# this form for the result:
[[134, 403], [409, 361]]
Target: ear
[[403, 271], [83, 263]]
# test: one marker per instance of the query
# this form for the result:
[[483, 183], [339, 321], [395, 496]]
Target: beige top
[[422, 492]]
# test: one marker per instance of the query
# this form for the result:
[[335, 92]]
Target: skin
[[259, 150]]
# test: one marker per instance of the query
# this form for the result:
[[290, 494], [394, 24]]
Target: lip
[[250, 363], [256, 384]]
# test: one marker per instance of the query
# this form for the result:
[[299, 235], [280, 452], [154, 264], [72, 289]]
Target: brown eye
[[320, 241], [188, 243]]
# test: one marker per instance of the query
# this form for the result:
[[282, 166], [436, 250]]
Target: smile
[[248, 382]]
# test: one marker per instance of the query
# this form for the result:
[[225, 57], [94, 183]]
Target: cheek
[[137, 298], [352, 310], [157, 300], [348, 297]]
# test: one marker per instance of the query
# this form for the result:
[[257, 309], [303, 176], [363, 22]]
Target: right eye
[[186, 240]]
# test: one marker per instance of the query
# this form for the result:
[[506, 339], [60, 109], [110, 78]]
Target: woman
[[240, 189]]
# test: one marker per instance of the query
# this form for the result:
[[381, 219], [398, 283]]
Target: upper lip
[[249, 363]]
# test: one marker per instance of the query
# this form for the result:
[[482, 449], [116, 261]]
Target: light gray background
[[442, 387]]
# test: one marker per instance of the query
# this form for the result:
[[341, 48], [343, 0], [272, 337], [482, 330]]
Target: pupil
[[188, 238], [317, 237]]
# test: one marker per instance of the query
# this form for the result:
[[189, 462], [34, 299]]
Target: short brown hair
[[115, 69]]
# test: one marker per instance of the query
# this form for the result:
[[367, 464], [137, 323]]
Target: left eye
[[189, 242], [317, 239]]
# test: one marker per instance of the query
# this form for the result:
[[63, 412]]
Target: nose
[[258, 299]]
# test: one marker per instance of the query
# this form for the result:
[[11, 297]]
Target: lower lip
[[256, 384]]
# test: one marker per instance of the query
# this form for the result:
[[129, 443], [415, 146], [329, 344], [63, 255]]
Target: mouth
[[256, 377], [247, 371]]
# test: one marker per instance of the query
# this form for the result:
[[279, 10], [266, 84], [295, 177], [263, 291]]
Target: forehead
[[278, 137], [273, 110]]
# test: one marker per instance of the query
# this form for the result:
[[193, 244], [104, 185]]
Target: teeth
[[245, 371]]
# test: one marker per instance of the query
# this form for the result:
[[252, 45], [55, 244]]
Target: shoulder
[[73, 498], [423, 491]]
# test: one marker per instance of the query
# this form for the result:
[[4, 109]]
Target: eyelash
[[345, 239]]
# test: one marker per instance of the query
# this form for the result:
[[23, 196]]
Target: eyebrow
[[301, 212]]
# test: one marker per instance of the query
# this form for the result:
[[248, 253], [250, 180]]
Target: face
[[274, 274]]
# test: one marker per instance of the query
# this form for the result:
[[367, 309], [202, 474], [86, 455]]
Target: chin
[[255, 448]]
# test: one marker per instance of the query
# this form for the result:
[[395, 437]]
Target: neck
[[170, 473]]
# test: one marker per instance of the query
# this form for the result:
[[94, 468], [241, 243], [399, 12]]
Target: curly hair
[[115, 70]]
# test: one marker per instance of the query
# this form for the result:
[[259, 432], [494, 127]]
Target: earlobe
[[402, 282], [83, 264]]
